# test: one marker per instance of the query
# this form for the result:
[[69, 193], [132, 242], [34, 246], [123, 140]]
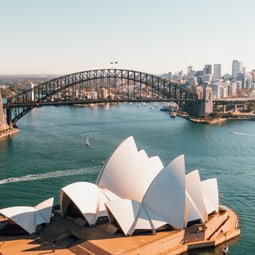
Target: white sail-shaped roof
[[85, 196], [129, 167], [166, 194], [109, 195], [24, 216], [125, 212], [155, 220], [139, 193], [195, 208], [132, 215], [44, 210], [28, 217], [211, 195]]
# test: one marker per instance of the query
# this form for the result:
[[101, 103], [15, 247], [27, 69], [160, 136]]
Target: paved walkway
[[63, 236]]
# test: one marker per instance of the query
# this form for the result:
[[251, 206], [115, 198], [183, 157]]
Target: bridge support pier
[[235, 108], [9, 117], [3, 122], [204, 104]]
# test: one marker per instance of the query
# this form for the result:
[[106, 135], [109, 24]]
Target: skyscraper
[[207, 69], [217, 71], [236, 68]]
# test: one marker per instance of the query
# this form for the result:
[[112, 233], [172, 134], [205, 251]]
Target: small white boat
[[173, 114], [87, 142]]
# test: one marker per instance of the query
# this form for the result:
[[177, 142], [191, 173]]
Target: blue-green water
[[49, 152]]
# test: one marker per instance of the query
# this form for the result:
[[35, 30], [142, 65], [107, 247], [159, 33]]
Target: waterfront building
[[246, 80], [135, 200], [151, 203], [224, 89], [215, 90], [231, 89], [28, 218]]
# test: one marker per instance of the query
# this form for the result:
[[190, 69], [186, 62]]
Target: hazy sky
[[154, 36]]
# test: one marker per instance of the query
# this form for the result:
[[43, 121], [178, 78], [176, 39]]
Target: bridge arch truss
[[109, 84]]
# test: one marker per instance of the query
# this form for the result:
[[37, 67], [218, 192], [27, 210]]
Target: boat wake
[[239, 133], [56, 174]]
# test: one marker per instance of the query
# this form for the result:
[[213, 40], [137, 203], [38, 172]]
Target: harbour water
[[50, 152]]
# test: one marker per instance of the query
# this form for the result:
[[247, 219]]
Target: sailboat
[[87, 141]]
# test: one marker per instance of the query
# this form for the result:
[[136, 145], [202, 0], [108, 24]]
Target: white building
[[28, 217], [225, 89], [136, 192]]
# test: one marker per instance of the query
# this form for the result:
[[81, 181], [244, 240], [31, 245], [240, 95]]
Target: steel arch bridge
[[109, 85]]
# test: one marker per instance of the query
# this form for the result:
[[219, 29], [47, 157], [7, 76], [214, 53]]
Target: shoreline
[[9, 132], [238, 117]]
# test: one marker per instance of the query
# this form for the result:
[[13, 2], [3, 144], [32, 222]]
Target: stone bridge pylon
[[3, 123]]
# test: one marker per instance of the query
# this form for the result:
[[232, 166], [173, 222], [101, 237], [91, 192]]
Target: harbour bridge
[[109, 86], [98, 86]]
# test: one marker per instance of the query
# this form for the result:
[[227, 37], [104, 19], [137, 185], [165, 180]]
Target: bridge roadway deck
[[93, 101], [70, 238]]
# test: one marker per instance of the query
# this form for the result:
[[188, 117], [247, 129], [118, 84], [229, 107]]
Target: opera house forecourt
[[136, 206]]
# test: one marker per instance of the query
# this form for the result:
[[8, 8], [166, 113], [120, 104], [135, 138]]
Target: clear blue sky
[[154, 36]]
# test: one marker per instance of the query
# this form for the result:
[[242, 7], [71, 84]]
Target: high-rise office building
[[207, 69], [217, 71], [236, 68]]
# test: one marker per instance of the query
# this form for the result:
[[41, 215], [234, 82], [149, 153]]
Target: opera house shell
[[137, 192], [28, 218]]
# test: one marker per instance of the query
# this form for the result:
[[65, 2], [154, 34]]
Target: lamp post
[[114, 82], [113, 63]]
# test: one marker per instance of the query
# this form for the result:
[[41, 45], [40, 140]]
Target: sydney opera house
[[135, 193], [139, 193]]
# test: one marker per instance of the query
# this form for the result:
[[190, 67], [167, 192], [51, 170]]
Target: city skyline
[[61, 37]]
